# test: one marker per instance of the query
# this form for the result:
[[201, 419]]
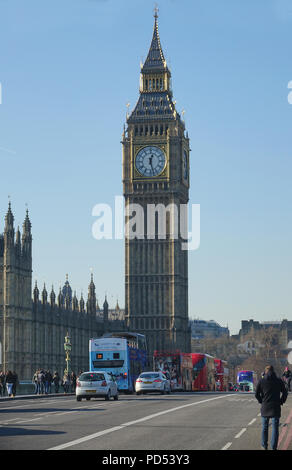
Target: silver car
[[152, 382], [96, 384]]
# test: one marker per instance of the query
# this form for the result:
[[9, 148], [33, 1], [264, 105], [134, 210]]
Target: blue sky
[[67, 71]]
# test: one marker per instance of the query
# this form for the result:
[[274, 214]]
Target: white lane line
[[252, 421], [240, 433], [27, 420], [227, 446], [130, 423]]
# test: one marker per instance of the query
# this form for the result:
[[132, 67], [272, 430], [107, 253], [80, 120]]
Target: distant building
[[252, 327], [250, 347], [201, 329]]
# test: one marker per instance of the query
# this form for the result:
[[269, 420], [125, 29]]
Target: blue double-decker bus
[[122, 354], [247, 380]]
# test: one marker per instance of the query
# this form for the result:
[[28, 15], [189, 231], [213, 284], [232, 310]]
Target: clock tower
[[156, 191]]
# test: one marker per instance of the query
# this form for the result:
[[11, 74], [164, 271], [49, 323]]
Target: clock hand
[[150, 161]]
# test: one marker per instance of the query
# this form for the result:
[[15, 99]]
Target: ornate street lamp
[[67, 348]]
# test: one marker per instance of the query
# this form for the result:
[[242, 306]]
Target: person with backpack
[[271, 393]]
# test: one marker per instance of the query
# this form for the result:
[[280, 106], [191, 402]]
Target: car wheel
[[116, 397], [108, 395], [163, 392], [138, 393], [78, 398], [87, 398]]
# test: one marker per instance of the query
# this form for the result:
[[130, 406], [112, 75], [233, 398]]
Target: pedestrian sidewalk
[[36, 396]]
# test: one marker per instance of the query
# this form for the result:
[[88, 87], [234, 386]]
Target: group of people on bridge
[[44, 379]]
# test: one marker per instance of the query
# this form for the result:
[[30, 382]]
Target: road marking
[[130, 423], [227, 446], [27, 420], [252, 421], [240, 433]]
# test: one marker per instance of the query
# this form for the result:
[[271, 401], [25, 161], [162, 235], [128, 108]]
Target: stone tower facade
[[15, 294], [156, 187]]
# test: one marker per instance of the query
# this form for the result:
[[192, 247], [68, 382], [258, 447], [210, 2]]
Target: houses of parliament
[[34, 323]]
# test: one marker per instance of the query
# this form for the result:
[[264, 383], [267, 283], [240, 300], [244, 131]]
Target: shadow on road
[[47, 410], [10, 431]]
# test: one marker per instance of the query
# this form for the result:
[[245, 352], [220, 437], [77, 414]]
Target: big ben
[[156, 186]]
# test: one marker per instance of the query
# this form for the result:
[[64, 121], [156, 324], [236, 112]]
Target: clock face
[[150, 161]]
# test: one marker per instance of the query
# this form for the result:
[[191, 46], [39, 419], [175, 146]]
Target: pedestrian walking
[[287, 376], [35, 381], [41, 382], [271, 393], [56, 381], [9, 383], [66, 383], [48, 382], [2, 384], [15, 383], [73, 379]]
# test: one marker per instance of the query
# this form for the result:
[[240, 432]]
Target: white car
[[152, 382], [96, 384]]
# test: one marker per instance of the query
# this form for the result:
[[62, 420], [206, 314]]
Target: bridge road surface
[[184, 421]]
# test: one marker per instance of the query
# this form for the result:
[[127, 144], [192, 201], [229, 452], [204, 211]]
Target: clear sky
[[67, 70]]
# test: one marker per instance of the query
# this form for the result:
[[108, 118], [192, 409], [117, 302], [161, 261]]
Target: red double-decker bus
[[203, 373], [170, 364], [221, 375]]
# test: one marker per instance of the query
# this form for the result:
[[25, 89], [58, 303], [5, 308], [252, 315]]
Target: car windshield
[[91, 377], [149, 376]]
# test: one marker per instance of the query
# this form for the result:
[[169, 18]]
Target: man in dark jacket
[[271, 393]]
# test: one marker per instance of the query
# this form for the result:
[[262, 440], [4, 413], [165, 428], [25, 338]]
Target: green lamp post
[[67, 348]]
